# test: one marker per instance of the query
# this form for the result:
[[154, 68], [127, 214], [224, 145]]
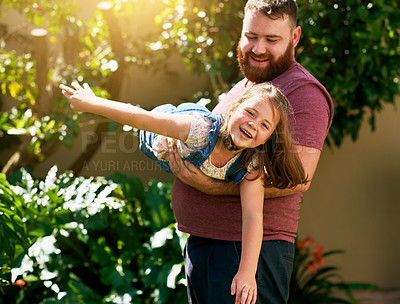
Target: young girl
[[252, 141]]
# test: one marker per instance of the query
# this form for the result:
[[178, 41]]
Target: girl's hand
[[245, 288], [81, 99]]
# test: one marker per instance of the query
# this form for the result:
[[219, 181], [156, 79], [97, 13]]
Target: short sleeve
[[197, 138], [199, 128], [310, 123]]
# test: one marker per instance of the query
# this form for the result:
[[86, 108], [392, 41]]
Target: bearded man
[[210, 210]]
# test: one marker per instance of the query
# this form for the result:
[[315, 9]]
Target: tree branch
[[44, 103], [114, 83]]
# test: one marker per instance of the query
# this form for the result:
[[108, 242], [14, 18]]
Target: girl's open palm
[[81, 98], [245, 288]]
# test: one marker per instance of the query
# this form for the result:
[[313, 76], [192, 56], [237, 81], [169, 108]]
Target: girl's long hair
[[276, 160]]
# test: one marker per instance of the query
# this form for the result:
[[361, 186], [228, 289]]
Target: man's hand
[[194, 177], [187, 172]]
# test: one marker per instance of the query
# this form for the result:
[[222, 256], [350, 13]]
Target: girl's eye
[[250, 113], [265, 126]]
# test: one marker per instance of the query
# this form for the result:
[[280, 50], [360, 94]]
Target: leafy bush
[[71, 239], [38, 120], [314, 282], [351, 46], [90, 240]]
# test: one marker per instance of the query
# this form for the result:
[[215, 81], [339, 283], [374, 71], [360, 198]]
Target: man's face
[[266, 47]]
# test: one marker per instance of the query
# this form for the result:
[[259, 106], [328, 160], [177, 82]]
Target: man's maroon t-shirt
[[219, 217]]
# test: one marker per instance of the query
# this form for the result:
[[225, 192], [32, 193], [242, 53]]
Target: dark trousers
[[210, 266]]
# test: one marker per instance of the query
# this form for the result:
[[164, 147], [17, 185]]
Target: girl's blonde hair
[[277, 159]]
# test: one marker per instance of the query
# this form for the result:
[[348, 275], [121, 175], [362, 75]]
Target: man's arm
[[192, 176], [309, 157]]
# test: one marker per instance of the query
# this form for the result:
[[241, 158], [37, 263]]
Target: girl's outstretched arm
[[252, 201], [83, 99]]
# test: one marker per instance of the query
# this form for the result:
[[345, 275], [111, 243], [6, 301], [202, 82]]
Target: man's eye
[[272, 40]]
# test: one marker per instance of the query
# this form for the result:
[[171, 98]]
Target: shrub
[[90, 240], [315, 282]]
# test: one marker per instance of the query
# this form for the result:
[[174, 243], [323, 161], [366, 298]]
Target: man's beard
[[276, 66]]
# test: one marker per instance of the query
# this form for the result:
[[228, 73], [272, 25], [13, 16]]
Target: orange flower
[[312, 267], [20, 283], [304, 244], [318, 251], [308, 242], [319, 260]]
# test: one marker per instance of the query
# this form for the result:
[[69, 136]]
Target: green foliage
[[13, 234], [17, 77], [314, 282], [68, 239], [351, 46], [38, 126], [48, 14], [17, 80], [206, 34], [90, 240]]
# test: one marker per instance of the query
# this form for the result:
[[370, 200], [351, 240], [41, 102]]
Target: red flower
[[312, 267], [319, 260], [308, 242], [318, 251], [304, 244], [20, 283]]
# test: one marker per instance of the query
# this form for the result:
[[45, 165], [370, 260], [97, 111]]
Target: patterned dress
[[197, 140]]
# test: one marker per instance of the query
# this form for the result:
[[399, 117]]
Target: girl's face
[[253, 122]]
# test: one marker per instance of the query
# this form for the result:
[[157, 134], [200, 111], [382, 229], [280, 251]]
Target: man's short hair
[[275, 9]]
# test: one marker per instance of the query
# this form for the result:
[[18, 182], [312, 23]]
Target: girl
[[251, 141]]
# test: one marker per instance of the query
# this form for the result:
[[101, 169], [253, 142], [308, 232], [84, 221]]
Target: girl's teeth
[[245, 132]]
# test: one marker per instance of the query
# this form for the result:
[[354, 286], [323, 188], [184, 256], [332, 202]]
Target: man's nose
[[259, 47]]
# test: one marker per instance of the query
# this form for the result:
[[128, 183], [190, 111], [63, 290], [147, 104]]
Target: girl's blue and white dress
[[201, 141]]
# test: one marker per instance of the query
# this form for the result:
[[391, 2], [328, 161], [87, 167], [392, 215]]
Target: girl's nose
[[252, 124]]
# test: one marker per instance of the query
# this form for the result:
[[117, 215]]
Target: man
[[209, 210]]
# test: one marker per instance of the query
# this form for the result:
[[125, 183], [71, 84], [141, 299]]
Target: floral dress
[[197, 140]]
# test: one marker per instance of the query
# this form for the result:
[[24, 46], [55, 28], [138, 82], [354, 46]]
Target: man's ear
[[296, 35]]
